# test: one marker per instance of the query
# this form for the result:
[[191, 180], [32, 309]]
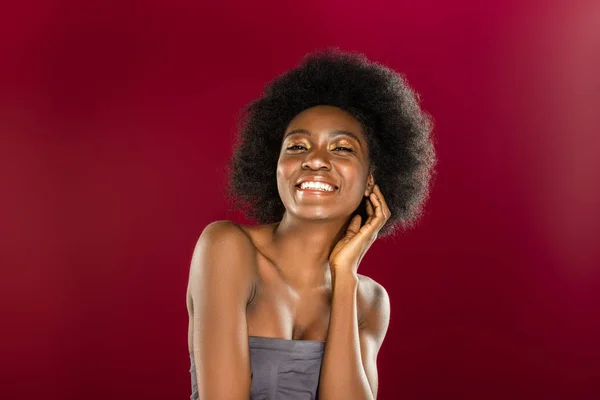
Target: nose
[[316, 159]]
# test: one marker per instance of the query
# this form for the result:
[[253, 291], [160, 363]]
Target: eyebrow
[[331, 133]]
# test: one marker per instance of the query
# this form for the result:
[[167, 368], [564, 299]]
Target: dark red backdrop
[[116, 120]]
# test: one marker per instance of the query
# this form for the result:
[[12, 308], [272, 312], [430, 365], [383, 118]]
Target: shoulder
[[371, 291], [226, 238], [224, 230], [227, 231], [224, 248], [374, 303]]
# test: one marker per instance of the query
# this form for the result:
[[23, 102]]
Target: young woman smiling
[[334, 154]]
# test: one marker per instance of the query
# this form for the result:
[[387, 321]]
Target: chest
[[279, 310]]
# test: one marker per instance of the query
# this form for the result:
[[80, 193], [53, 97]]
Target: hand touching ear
[[349, 251]]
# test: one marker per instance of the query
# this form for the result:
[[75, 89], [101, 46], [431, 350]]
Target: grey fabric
[[281, 369]]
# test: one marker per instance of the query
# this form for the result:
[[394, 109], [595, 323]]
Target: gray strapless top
[[281, 369]]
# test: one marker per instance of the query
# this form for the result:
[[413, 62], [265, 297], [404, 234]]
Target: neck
[[304, 247]]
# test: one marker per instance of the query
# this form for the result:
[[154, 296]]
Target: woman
[[278, 310]]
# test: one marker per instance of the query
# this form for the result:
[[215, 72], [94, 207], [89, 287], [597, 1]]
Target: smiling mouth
[[320, 190]]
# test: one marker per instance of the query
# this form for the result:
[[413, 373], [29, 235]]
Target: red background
[[116, 122]]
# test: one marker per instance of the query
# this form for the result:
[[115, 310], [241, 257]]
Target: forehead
[[323, 119]]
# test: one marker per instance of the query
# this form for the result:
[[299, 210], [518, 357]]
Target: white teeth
[[316, 186]]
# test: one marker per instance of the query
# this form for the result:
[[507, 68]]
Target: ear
[[370, 183]]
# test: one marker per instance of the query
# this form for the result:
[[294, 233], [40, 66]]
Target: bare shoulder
[[225, 248], [225, 231], [370, 289], [373, 300], [223, 238]]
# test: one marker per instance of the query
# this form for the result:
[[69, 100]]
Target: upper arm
[[372, 331], [220, 284]]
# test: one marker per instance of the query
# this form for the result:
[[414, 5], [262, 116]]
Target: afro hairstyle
[[398, 133]]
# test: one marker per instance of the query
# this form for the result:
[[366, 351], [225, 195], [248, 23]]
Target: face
[[323, 167]]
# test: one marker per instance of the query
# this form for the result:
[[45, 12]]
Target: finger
[[385, 208], [376, 219], [380, 217], [370, 213], [377, 204], [370, 210], [354, 226]]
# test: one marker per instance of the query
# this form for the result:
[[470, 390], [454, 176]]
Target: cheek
[[355, 176], [284, 168], [284, 173]]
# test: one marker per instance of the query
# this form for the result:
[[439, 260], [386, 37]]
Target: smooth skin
[[296, 279]]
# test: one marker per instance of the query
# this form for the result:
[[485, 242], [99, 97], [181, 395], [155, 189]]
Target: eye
[[296, 147], [342, 148]]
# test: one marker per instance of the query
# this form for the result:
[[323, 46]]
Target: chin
[[315, 213]]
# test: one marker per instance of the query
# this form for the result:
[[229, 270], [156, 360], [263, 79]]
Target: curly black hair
[[398, 134]]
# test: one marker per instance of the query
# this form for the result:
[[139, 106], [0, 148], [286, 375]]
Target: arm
[[349, 369], [221, 284], [372, 331]]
